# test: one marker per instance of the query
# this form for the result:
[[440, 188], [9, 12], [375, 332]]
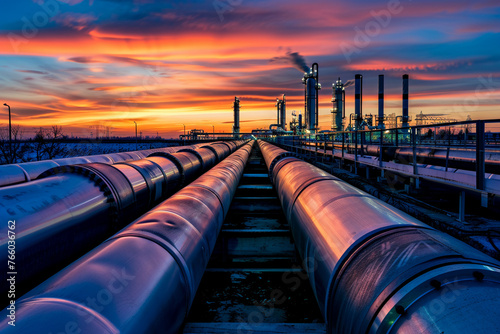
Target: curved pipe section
[[373, 268], [70, 209], [144, 278], [28, 171]]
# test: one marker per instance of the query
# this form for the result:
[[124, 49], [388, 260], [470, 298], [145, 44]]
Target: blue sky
[[79, 63]]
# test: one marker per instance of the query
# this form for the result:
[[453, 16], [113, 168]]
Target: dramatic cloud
[[74, 20], [171, 63]]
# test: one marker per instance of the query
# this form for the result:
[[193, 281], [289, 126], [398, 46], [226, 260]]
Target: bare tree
[[53, 145], [20, 150], [38, 144]]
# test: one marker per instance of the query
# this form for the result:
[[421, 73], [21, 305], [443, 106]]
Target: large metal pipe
[[405, 100], [29, 171], [70, 209], [381, 101], [375, 269], [144, 278], [358, 100]]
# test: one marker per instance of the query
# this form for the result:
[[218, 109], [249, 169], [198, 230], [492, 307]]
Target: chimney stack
[[338, 105], [312, 86], [381, 101], [283, 112], [358, 100], [236, 108], [405, 100]]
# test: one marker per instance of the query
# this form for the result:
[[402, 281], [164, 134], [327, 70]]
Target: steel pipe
[[375, 269], [219, 149], [70, 209], [28, 171], [144, 278]]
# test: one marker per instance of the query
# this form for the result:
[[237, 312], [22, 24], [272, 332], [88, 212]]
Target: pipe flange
[[228, 146], [447, 277], [147, 178], [197, 154], [98, 181], [280, 164], [176, 162], [214, 151], [276, 160], [115, 186], [178, 258], [27, 177]]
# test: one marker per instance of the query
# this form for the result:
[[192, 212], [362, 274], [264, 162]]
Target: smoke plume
[[293, 58], [348, 83]]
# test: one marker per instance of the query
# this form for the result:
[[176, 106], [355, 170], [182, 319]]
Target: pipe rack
[[70, 209], [144, 278]]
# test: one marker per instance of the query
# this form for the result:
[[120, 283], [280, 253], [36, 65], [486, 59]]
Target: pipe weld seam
[[176, 162], [81, 308], [197, 154], [27, 177], [174, 252]]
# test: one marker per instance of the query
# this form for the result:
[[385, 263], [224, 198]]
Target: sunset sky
[[79, 63]]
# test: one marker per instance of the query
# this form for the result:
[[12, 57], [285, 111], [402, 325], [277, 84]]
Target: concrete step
[[254, 298], [257, 206], [257, 220], [267, 244], [255, 175], [256, 186], [257, 328]]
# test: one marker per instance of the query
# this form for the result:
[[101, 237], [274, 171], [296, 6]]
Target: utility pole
[[10, 136], [135, 135], [184, 137]]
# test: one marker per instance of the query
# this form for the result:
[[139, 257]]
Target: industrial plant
[[375, 225], [309, 124]]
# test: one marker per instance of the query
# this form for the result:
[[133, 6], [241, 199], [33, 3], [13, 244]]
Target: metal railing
[[464, 144]]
